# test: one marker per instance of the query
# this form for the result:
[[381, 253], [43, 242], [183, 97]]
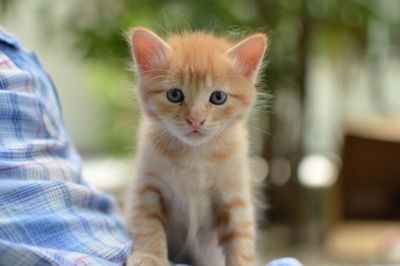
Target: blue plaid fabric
[[48, 215]]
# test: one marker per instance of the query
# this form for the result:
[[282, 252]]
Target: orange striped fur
[[191, 201]]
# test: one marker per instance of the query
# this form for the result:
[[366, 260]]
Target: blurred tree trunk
[[291, 194], [300, 211]]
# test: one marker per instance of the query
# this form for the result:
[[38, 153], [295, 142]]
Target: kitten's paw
[[143, 259]]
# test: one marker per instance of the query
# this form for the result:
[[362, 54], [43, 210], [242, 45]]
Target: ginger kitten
[[192, 197]]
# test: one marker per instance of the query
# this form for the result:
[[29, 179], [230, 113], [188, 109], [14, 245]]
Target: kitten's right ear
[[148, 49], [249, 53]]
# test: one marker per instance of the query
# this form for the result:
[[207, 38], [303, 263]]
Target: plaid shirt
[[48, 215]]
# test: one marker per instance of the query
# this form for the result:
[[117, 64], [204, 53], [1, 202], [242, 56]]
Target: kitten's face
[[194, 90], [196, 108]]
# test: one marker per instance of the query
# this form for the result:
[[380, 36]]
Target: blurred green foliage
[[5, 5], [112, 89], [298, 30]]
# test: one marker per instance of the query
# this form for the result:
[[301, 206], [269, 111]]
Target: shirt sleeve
[[48, 215]]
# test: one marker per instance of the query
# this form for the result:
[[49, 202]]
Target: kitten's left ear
[[248, 54]]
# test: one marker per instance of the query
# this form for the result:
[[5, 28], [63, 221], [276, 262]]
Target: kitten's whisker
[[154, 69], [160, 136], [262, 130]]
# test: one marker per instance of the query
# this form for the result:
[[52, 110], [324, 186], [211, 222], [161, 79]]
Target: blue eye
[[175, 95], [218, 97]]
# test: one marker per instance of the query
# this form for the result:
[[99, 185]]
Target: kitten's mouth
[[195, 133], [195, 136]]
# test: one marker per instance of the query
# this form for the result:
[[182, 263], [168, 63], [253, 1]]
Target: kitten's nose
[[195, 122]]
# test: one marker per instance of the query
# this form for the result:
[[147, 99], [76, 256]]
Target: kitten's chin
[[194, 138]]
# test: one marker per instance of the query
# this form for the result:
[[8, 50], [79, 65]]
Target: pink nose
[[195, 122]]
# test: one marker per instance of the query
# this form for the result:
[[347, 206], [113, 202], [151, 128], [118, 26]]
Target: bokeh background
[[329, 132]]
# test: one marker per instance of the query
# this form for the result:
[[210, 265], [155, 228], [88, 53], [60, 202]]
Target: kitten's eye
[[175, 95], [218, 97]]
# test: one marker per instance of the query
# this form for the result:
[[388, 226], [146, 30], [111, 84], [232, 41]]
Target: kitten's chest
[[189, 194], [190, 178]]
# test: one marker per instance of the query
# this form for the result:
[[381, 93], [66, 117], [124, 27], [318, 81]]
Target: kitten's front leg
[[147, 219], [236, 225]]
